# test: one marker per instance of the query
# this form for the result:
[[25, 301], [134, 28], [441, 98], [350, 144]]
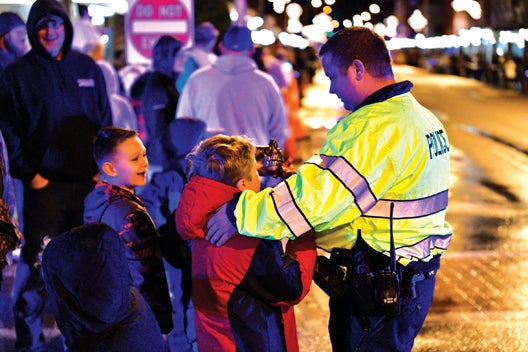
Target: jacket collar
[[387, 92]]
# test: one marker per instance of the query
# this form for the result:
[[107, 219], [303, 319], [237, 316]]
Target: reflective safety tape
[[407, 209], [424, 248], [366, 200], [288, 211], [350, 178]]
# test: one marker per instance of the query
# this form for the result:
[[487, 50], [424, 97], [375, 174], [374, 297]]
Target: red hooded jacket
[[244, 291]]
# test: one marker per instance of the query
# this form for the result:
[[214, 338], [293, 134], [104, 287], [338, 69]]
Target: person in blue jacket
[[53, 102]]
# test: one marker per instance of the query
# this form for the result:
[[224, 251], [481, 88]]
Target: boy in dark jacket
[[122, 161], [244, 291], [96, 307]]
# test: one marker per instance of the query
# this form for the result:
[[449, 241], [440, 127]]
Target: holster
[[350, 274], [360, 279]]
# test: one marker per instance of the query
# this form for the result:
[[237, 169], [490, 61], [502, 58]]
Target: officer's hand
[[219, 228]]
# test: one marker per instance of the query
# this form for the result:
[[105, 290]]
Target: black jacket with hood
[[52, 109], [96, 307]]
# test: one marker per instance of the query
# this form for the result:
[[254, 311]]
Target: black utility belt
[[366, 278]]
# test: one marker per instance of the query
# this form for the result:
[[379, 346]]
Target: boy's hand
[[219, 228]]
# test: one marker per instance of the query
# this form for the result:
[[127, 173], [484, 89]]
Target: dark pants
[[350, 331], [49, 211]]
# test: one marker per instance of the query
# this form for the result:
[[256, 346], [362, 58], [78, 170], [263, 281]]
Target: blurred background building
[[482, 33]]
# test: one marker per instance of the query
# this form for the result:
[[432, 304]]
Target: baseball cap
[[238, 38], [8, 21], [205, 32]]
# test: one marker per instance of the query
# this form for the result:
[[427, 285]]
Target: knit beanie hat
[[8, 21]]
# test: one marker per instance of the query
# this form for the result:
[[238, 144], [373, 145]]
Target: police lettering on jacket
[[437, 143]]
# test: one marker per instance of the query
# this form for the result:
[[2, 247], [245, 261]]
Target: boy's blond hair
[[222, 158]]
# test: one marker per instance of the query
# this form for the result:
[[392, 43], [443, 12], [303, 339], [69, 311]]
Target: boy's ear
[[241, 184], [108, 168]]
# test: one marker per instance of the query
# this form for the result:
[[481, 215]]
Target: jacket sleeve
[[11, 124], [276, 277], [304, 252], [184, 107], [137, 230]]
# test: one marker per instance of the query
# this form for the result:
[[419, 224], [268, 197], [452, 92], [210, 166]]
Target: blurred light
[[323, 22], [294, 26], [499, 51], [329, 2], [98, 20], [317, 3], [105, 38], [392, 26], [365, 16], [279, 5], [472, 7], [327, 10], [374, 8], [98, 10], [255, 22], [335, 23], [293, 40], [357, 20], [380, 29], [506, 37], [263, 37], [233, 15], [117, 6], [317, 33], [369, 25], [294, 11], [417, 21], [423, 42], [347, 23]]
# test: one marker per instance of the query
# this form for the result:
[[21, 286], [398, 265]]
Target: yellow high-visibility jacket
[[394, 151]]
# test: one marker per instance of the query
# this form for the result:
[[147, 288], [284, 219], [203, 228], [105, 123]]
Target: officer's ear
[[356, 70]]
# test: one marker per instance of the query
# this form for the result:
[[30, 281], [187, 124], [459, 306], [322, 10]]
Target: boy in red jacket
[[244, 291]]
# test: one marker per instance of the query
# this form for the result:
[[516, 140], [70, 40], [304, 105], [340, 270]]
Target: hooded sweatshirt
[[52, 109], [234, 96], [89, 285]]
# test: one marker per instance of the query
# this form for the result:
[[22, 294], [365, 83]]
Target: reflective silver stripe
[[410, 208], [351, 179], [422, 249], [288, 211]]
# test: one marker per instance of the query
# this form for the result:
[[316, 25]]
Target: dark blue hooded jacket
[[91, 293], [52, 109]]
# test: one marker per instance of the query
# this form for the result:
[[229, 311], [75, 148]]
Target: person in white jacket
[[233, 96]]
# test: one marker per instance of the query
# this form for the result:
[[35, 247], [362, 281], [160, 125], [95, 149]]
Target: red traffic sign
[[147, 20]]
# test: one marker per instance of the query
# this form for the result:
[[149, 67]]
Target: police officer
[[381, 174]]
